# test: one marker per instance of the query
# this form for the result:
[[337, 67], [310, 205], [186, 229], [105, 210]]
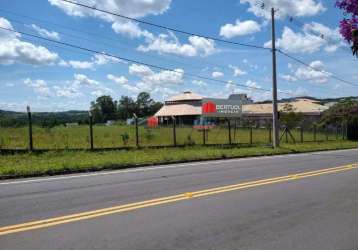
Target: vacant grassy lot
[[109, 137], [24, 165]]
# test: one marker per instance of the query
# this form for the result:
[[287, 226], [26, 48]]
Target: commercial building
[[188, 108]]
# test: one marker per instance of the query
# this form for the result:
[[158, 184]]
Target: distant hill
[[322, 101], [11, 118]]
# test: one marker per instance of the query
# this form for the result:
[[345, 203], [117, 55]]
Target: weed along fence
[[225, 131]]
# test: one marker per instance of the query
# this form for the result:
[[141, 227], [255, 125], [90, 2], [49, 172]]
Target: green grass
[[110, 137], [25, 165]]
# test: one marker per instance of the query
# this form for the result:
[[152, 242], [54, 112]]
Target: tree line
[[104, 108]]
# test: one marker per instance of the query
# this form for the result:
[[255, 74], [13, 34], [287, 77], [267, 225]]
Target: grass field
[[110, 137], [31, 164]]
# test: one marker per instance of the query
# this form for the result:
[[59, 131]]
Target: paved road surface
[[317, 212]]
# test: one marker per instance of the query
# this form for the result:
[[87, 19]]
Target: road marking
[[169, 166], [165, 200]]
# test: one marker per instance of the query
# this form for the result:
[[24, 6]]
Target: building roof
[[185, 96], [179, 110], [302, 106]]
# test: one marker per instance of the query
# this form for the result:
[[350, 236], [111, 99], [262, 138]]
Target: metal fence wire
[[118, 136]]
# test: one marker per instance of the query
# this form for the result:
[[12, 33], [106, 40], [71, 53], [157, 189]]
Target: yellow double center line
[[165, 200]]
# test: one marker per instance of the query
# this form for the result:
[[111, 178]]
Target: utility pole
[[275, 125]]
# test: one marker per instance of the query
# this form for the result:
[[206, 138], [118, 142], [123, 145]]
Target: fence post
[[204, 136], [136, 130], [314, 132], [286, 134], [174, 131], [31, 145], [250, 134], [337, 132], [91, 128], [326, 131], [229, 128], [301, 134], [270, 134]]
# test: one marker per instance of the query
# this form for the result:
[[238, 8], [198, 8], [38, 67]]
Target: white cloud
[[98, 59], [298, 8], [134, 9], [123, 82], [117, 79], [217, 74], [81, 79], [297, 42], [309, 74], [304, 73], [130, 29], [13, 50], [199, 83], [152, 81], [45, 33], [288, 78], [75, 87], [332, 37], [170, 44], [239, 28], [39, 86], [309, 40], [252, 84], [237, 71]]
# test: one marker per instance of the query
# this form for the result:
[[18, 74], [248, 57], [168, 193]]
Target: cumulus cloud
[[239, 28], [237, 71], [152, 81], [39, 86], [98, 59], [75, 87], [315, 74], [309, 74], [123, 82], [298, 8], [199, 83], [309, 40], [134, 9], [170, 44], [45, 33], [13, 50], [217, 74], [288, 78]]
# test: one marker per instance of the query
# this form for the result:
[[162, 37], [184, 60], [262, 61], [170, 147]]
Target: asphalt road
[[315, 212]]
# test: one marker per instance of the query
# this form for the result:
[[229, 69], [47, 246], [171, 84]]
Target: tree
[[349, 26], [143, 104], [126, 107], [345, 112], [104, 109], [289, 117]]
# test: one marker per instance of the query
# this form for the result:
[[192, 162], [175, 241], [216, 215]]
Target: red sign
[[209, 107], [152, 122]]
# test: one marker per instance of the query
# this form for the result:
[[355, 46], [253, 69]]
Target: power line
[[122, 44], [329, 74], [301, 25], [165, 27], [139, 62]]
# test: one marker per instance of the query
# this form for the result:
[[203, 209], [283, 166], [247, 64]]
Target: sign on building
[[212, 107]]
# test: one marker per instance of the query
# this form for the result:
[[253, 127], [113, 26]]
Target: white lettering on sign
[[228, 109]]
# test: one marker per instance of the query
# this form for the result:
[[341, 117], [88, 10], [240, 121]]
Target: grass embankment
[[26, 165], [110, 136]]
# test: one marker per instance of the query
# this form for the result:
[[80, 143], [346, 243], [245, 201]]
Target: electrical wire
[[139, 62]]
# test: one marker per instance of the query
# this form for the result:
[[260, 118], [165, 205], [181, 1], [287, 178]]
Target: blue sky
[[52, 77]]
